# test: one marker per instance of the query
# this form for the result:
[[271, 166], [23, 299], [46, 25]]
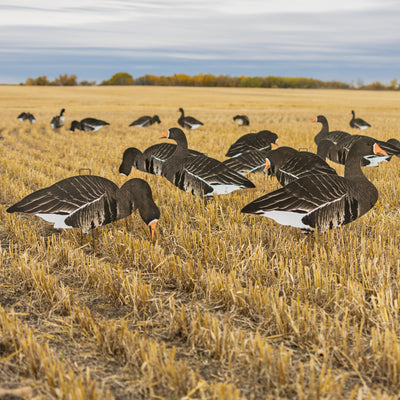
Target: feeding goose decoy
[[323, 201], [59, 120], [253, 141], [199, 174], [87, 125], [26, 116], [188, 122], [358, 123], [89, 201], [241, 120], [248, 162], [146, 121], [150, 161]]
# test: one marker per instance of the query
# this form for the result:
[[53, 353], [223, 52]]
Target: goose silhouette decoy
[[89, 201], [150, 161], [87, 125], [253, 141], [59, 120], [199, 174], [188, 122], [358, 123], [146, 121], [323, 201], [26, 116], [241, 120]]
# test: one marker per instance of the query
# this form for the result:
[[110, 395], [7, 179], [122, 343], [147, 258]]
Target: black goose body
[[252, 141], [59, 120], [358, 123], [88, 201], [187, 121], [287, 164], [394, 142], [325, 134], [26, 116], [322, 201], [199, 174], [248, 162], [88, 125], [146, 121], [241, 120], [150, 161]]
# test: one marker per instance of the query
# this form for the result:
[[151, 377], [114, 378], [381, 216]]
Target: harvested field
[[222, 305]]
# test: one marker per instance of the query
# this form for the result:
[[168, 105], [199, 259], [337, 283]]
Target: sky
[[355, 41]]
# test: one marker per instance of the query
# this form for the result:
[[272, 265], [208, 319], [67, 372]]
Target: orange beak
[[152, 227], [378, 150], [267, 165], [314, 120], [164, 135]]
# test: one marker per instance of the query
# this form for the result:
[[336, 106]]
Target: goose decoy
[[188, 122], [358, 123], [26, 116], [146, 121], [89, 201], [253, 141], [199, 174], [287, 164], [59, 120], [150, 161], [241, 120], [323, 201], [87, 125], [249, 161], [394, 142], [325, 134]]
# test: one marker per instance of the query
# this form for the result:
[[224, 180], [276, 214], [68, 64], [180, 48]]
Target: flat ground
[[222, 305]]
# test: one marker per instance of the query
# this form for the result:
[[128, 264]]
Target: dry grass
[[222, 305]]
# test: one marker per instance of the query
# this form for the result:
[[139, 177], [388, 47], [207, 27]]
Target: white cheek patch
[[57, 219]]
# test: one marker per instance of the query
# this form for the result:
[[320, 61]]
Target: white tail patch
[[57, 219], [289, 218]]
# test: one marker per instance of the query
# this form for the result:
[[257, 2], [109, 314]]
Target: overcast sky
[[93, 39]]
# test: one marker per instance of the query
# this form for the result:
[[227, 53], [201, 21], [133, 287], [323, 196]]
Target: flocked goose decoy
[[323, 201], [188, 122], [253, 141], [150, 161], [325, 134], [248, 162], [26, 116], [59, 120], [241, 120], [88, 201], [199, 174], [358, 123], [146, 121], [87, 125]]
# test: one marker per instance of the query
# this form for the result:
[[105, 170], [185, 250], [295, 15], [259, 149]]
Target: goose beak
[[314, 120], [164, 135], [378, 150], [267, 165], [152, 227]]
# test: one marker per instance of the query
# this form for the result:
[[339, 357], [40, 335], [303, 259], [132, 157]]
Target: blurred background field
[[223, 305]]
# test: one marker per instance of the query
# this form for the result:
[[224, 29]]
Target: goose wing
[[252, 141], [191, 122], [322, 201], [142, 121], [248, 161]]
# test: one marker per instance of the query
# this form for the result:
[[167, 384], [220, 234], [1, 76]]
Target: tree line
[[210, 80]]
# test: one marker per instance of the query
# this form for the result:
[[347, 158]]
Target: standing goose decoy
[[188, 122], [323, 201], [150, 161], [87, 125], [146, 121], [88, 201], [325, 134], [253, 141], [59, 120], [241, 120], [26, 116], [199, 174], [288, 164], [358, 123]]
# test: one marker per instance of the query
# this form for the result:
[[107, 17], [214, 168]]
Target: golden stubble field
[[223, 305]]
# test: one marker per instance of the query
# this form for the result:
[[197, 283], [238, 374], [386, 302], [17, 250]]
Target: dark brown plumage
[[87, 125], [253, 141], [26, 116], [59, 120], [358, 123], [187, 121], [146, 121], [323, 201], [88, 201], [241, 120]]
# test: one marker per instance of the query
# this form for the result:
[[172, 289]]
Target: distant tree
[[30, 82], [41, 81], [120, 78], [66, 80], [394, 84], [87, 83]]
